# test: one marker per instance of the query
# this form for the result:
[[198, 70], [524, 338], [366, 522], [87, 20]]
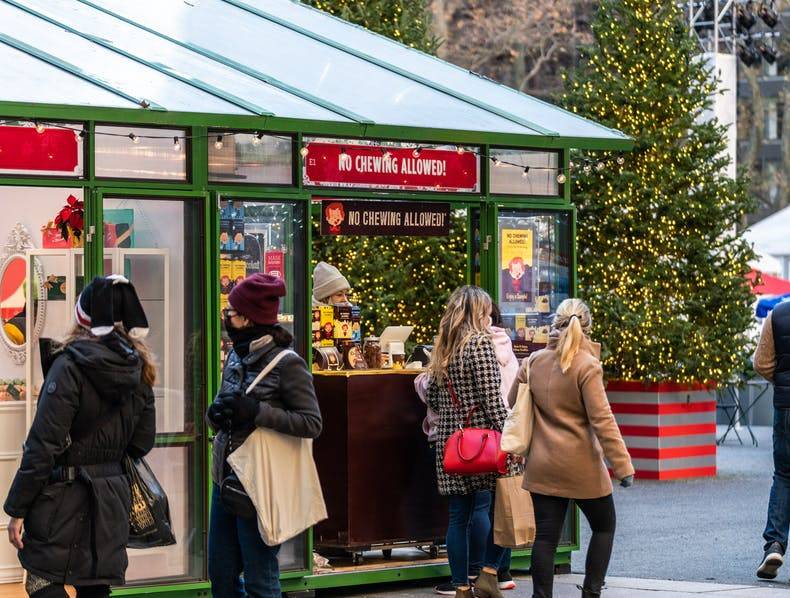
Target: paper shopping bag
[[517, 431], [514, 518]]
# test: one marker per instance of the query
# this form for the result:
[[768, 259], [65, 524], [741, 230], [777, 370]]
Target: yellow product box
[[327, 326]]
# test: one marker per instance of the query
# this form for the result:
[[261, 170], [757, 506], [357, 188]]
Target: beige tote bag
[[517, 431], [279, 474]]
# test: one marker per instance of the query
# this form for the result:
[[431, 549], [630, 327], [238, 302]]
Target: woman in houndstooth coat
[[464, 353]]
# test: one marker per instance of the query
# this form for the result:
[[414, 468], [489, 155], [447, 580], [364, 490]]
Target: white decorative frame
[[19, 243]]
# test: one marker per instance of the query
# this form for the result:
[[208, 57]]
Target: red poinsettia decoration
[[71, 217]]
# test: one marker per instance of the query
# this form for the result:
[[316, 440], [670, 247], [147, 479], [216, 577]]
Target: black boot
[[589, 593]]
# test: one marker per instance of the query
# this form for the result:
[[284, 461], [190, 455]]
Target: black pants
[[37, 587], [549, 517]]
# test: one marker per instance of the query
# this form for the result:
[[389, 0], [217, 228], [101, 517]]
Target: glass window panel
[[150, 154], [25, 78], [54, 269], [226, 79], [250, 158], [314, 67], [429, 67], [535, 273], [110, 68], [265, 237], [154, 243], [37, 149], [541, 179]]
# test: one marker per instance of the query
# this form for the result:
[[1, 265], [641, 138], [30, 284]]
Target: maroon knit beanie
[[257, 297]]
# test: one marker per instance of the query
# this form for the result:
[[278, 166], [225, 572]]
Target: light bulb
[[135, 139], [256, 139], [387, 154], [525, 174], [460, 150], [304, 151], [40, 127], [176, 144], [600, 166], [587, 169], [497, 162], [561, 178], [416, 152], [620, 160], [218, 143]]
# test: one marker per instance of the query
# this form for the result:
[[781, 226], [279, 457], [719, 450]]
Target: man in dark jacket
[[284, 400], [772, 361], [96, 405]]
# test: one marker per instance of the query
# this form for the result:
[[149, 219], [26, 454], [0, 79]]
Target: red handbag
[[473, 451]]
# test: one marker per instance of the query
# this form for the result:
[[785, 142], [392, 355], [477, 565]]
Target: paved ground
[[679, 539], [618, 587], [697, 530]]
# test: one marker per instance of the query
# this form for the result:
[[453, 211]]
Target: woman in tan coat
[[574, 431]]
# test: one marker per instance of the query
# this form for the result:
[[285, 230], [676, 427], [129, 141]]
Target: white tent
[[771, 236]]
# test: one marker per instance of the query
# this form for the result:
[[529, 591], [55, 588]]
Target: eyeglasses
[[229, 312]]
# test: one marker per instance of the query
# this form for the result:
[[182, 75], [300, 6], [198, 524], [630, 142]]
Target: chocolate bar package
[[356, 324], [509, 324], [239, 270], [342, 322], [327, 326]]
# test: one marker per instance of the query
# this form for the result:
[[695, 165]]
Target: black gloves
[[238, 408], [219, 414]]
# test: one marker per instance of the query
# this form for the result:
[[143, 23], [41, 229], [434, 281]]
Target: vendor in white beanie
[[330, 287]]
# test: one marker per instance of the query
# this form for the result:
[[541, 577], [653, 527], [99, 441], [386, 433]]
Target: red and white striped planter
[[669, 429]]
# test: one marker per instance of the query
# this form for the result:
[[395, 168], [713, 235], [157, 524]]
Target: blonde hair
[[78, 333], [574, 322], [468, 313]]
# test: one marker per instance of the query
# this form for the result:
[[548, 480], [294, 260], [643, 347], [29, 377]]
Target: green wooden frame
[[197, 185]]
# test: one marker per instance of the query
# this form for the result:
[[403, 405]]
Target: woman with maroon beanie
[[284, 400]]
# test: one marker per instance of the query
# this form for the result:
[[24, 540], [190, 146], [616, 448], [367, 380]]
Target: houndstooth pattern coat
[[476, 379]]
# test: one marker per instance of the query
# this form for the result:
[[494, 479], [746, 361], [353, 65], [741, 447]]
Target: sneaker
[[445, 589], [772, 560]]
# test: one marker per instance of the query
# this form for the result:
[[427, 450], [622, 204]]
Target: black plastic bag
[[149, 516]]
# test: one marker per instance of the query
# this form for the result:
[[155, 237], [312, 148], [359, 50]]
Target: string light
[[135, 139], [256, 138], [176, 144], [459, 150], [497, 162], [218, 144], [417, 151], [561, 178], [304, 151], [40, 128], [525, 174]]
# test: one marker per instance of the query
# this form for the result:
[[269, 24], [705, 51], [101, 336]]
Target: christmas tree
[[406, 21], [661, 263], [396, 280]]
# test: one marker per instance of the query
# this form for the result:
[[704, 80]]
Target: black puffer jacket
[[286, 395], [76, 531]]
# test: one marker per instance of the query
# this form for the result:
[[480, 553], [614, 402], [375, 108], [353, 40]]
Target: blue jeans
[[776, 529], [470, 536], [235, 546]]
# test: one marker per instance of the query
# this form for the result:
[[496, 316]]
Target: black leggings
[[549, 517]]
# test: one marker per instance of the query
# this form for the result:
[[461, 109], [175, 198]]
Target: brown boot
[[467, 593], [487, 586]]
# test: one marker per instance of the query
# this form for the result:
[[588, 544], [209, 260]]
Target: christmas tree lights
[[661, 263]]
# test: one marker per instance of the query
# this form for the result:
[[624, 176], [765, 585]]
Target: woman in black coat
[[96, 405]]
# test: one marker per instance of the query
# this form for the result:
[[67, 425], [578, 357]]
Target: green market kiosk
[[184, 145]]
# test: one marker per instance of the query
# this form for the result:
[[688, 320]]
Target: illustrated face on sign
[[238, 238], [516, 268], [521, 334], [335, 214], [223, 238], [328, 328]]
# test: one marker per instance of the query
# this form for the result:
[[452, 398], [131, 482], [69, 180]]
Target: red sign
[[52, 150], [379, 167], [274, 263]]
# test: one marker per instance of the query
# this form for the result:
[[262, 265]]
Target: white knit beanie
[[327, 280]]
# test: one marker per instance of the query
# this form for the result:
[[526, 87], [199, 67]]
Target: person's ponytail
[[569, 343], [573, 322]]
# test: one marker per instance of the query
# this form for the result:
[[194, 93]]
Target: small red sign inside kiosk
[[331, 164]]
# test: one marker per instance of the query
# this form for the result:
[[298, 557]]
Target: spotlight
[[769, 53], [768, 14], [749, 55], [745, 18]]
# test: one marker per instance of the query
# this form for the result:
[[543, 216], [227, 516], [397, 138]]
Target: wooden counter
[[377, 471]]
